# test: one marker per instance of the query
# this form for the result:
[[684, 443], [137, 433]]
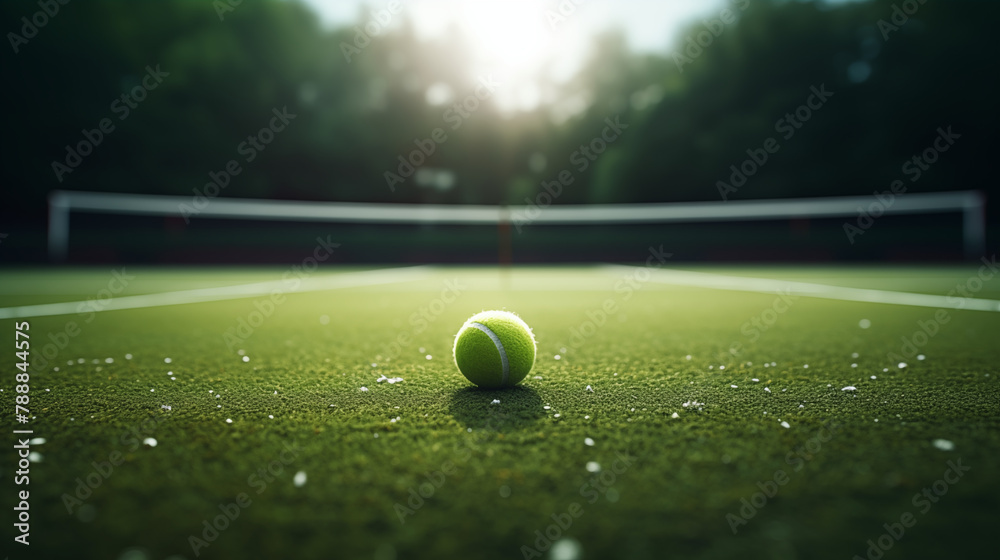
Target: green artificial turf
[[852, 460]]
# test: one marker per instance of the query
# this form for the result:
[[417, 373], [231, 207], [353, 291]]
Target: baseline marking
[[222, 293], [823, 291]]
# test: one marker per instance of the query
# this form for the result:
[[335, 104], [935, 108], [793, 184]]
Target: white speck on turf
[[246, 358], [688, 357], [854, 365], [850, 388], [128, 356], [167, 360], [570, 548], [218, 406], [943, 444], [767, 389], [300, 477], [873, 377], [588, 442], [166, 407], [109, 360], [152, 390], [734, 386], [429, 357], [864, 323], [363, 389], [885, 369], [556, 415], [901, 365], [35, 457], [271, 416], [785, 425], [722, 368], [921, 357], [593, 466], [546, 407], [229, 420], [150, 442], [675, 415], [755, 380], [37, 441], [537, 377], [805, 366], [374, 364], [589, 389], [557, 357], [495, 401]]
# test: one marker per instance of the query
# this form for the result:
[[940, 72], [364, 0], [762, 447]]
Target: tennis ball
[[495, 349]]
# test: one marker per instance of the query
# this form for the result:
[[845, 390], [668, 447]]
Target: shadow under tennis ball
[[519, 408]]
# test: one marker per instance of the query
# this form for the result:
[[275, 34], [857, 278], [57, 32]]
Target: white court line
[[221, 293], [824, 291]]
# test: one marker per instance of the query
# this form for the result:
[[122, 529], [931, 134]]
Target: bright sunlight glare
[[510, 33], [527, 44]]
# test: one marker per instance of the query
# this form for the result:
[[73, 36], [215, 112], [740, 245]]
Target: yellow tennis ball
[[495, 349]]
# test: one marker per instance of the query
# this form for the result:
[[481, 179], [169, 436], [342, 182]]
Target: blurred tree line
[[691, 112]]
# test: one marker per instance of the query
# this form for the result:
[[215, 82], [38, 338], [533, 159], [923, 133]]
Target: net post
[[58, 226], [974, 226], [504, 249]]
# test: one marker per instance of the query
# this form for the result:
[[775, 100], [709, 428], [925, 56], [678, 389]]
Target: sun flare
[[511, 34]]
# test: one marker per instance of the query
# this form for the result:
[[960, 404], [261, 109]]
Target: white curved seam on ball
[[496, 341]]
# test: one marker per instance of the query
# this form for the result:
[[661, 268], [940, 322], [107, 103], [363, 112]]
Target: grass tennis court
[[665, 409]]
